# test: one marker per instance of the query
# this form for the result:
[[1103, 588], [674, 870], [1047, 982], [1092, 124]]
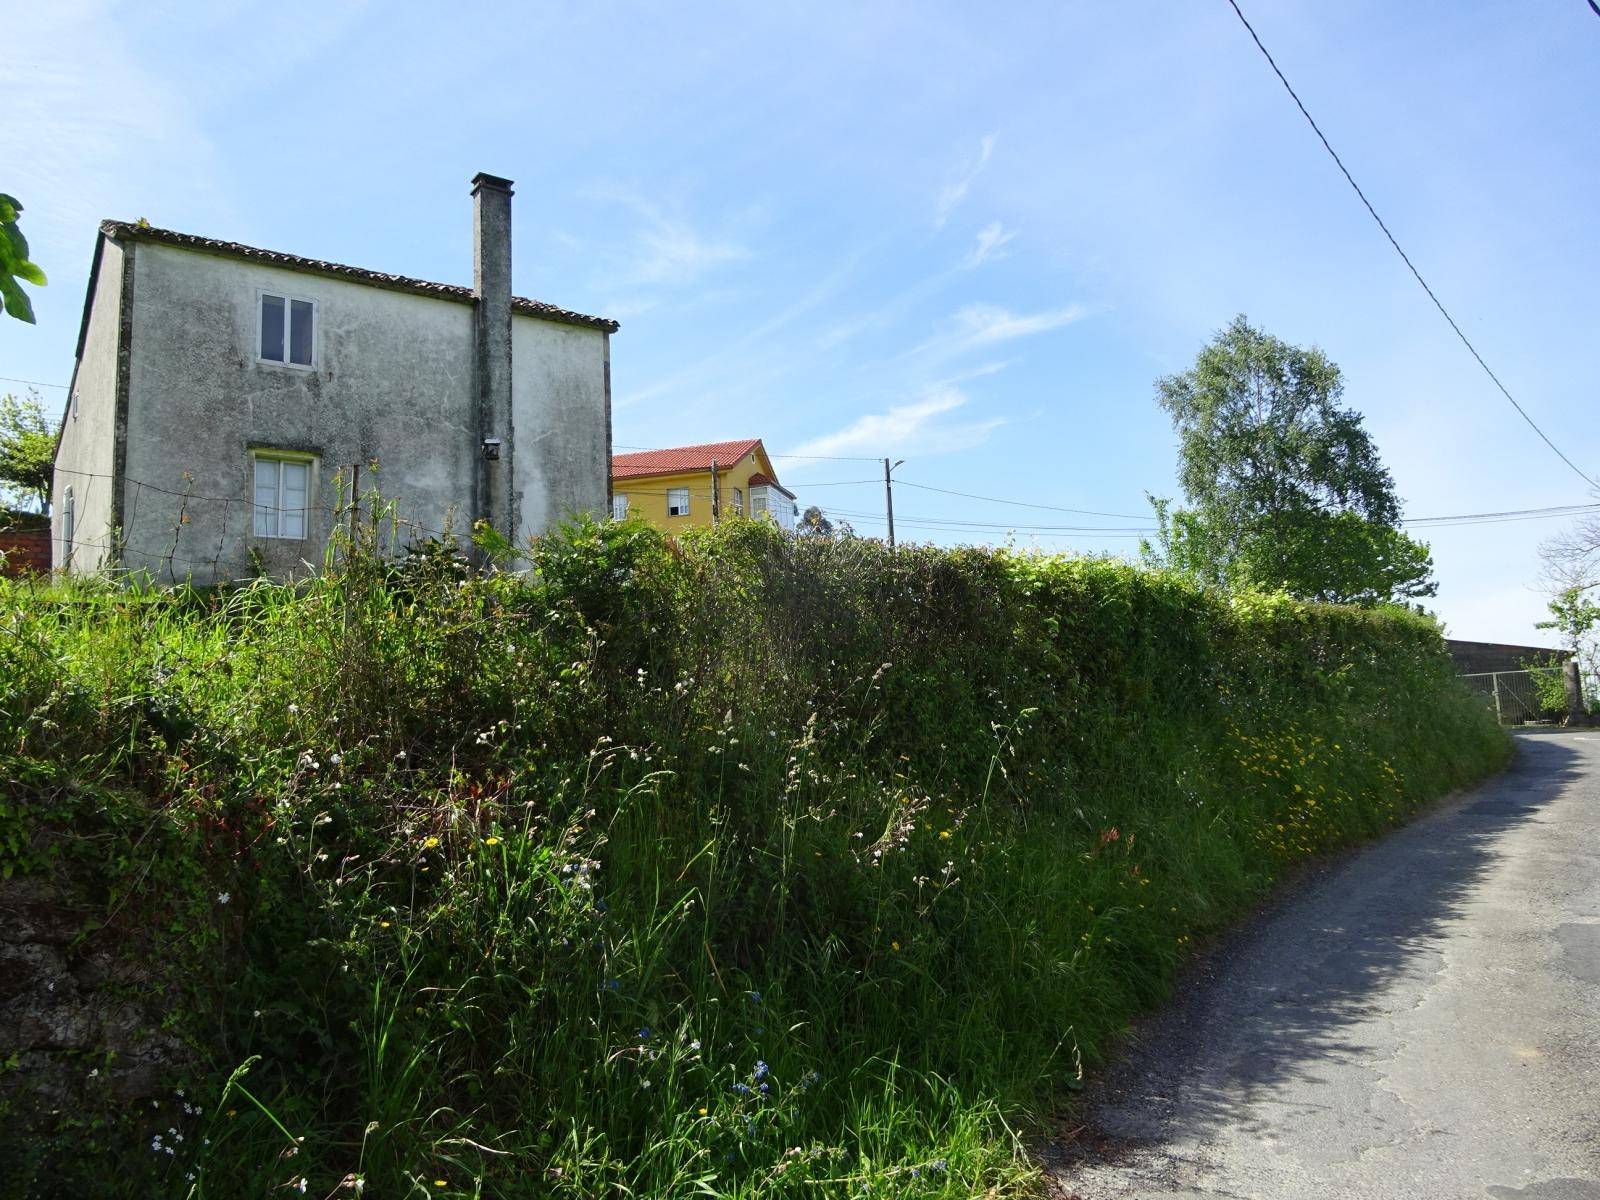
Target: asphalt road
[[1422, 1019]]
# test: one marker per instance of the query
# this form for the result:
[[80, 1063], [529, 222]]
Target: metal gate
[[1520, 696]]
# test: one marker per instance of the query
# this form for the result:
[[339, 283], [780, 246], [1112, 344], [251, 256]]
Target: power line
[[809, 457], [1022, 503], [1403, 255], [33, 382]]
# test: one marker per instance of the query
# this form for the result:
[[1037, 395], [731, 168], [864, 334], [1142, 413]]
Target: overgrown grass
[[752, 867]]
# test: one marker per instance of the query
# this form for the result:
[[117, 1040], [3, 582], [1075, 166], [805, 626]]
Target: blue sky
[[914, 230]]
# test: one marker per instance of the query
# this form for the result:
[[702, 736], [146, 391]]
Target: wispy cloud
[[960, 182], [917, 427], [666, 249], [978, 325], [992, 239], [985, 324], [671, 253]]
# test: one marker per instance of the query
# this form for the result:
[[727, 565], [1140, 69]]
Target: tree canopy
[[27, 452], [1284, 485]]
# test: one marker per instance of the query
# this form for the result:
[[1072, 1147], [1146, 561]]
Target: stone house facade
[[223, 397]]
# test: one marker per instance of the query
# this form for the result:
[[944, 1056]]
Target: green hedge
[[748, 866]]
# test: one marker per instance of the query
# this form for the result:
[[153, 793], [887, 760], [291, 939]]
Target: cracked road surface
[[1422, 1019]]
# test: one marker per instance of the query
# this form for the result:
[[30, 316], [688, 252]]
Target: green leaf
[[32, 273], [19, 244], [9, 208], [15, 300]]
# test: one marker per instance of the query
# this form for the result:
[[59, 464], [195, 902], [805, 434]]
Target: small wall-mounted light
[[491, 449]]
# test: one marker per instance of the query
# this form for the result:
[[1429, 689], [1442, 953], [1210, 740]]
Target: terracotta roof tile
[[293, 262], [681, 458], [762, 479]]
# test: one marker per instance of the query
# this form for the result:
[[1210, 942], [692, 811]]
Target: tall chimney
[[491, 333]]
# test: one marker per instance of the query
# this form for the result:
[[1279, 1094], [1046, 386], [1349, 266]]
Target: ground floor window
[[619, 508], [282, 495]]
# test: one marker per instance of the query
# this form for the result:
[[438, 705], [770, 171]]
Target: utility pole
[[888, 498], [716, 494]]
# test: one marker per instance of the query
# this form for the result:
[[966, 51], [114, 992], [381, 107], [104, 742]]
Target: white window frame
[[673, 508], [619, 506], [738, 502], [278, 459], [69, 524], [288, 322]]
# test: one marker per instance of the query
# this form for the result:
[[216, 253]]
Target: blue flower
[[761, 1069], [938, 1164], [611, 985], [755, 997], [763, 1089], [644, 1033], [742, 1088]]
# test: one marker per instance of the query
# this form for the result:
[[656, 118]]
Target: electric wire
[[1404, 257]]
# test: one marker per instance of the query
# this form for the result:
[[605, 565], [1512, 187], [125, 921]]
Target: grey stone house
[[220, 391]]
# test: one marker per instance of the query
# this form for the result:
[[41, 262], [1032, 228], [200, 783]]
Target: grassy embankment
[[759, 868]]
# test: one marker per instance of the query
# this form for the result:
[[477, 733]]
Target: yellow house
[[680, 487]]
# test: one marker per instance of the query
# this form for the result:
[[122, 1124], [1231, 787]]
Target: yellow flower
[[701, 1111], [894, 945], [944, 833], [439, 1183], [429, 843], [491, 841], [383, 924]]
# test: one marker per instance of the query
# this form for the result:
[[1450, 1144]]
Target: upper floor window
[[619, 507], [678, 502], [282, 495], [288, 330]]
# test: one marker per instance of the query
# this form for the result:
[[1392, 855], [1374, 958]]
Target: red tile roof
[[681, 458], [762, 479]]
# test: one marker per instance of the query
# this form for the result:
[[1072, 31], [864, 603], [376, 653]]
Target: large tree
[[27, 453], [1572, 574], [1283, 484]]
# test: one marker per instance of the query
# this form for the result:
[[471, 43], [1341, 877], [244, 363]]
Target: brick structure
[[26, 551]]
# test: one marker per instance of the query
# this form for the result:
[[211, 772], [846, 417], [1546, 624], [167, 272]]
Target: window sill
[[272, 362]]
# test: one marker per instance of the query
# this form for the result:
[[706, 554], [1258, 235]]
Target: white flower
[[294, 709], [336, 759], [222, 898]]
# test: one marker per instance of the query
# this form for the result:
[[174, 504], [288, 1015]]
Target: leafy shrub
[[750, 866]]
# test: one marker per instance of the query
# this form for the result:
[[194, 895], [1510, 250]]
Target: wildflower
[[294, 710], [383, 924], [222, 898], [429, 843], [645, 1084], [491, 841], [401, 755], [742, 1088], [894, 945], [695, 1045], [761, 1069], [440, 1183], [644, 1033], [944, 833]]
